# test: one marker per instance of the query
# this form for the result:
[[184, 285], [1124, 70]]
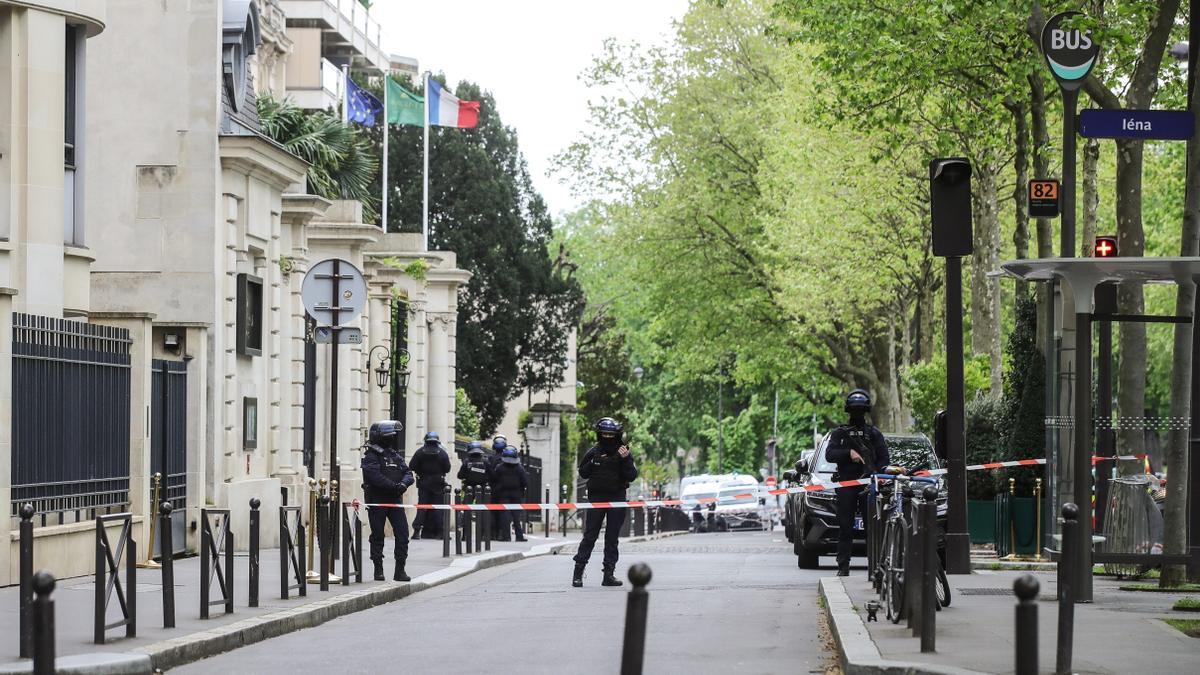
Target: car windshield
[[912, 453], [747, 492]]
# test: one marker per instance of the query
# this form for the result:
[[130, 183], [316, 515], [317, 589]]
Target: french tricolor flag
[[445, 110]]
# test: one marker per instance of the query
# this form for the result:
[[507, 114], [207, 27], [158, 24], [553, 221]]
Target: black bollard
[[565, 513], [1066, 590], [546, 514], [487, 518], [928, 570], [166, 548], [323, 534], [43, 624], [26, 580], [458, 524], [634, 648], [468, 520], [358, 548], [254, 525], [445, 516], [1026, 587]]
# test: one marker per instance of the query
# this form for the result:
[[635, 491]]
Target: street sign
[[323, 335], [1162, 125], [334, 292], [1106, 247], [1043, 198], [1070, 52]]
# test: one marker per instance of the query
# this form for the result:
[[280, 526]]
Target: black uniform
[[473, 472], [385, 478], [509, 484], [608, 475], [431, 464], [869, 443]]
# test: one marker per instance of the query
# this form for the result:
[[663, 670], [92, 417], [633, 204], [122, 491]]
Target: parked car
[[813, 528]]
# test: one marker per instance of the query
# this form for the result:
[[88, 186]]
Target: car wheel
[[807, 559]]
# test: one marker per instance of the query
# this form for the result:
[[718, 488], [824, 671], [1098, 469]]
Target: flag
[[362, 107], [445, 110], [403, 106]]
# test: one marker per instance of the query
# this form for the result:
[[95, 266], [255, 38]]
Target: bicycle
[[890, 570]]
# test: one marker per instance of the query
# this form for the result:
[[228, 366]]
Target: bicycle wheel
[[943, 587], [894, 581]]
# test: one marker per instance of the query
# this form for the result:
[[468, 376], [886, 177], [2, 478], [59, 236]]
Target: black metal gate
[[168, 441], [70, 417], [534, 494]]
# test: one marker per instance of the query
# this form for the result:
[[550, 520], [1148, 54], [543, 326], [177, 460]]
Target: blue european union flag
[[362, 106]]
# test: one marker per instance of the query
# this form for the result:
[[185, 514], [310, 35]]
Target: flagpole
[[425, 181], [345, 94], [386, 132]]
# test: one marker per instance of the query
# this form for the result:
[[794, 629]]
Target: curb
[[856, 650], [186, 649], [1014, 566]]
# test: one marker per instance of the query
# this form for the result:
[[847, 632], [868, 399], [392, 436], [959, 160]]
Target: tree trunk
[[1021, 190], [1131, 378], [985, 291], [886, 409], [1091, 196], [1041, 169]]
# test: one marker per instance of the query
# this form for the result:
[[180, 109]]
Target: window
[[249, 423], [249, 315], [72, 136], [69, 100]]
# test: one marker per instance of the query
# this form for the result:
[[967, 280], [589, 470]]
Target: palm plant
[[342, 163]]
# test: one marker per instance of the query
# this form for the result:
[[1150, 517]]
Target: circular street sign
[[334, 292], [1070, 53]]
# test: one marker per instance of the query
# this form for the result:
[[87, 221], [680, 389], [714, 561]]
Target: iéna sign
[[1070, 52]]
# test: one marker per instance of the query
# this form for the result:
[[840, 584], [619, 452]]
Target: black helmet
[[858, 401], [432, 437], [384, 433], [608, 429], [499, 443]]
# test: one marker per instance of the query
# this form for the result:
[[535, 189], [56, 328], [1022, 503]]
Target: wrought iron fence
[[70, 418], [168, 429]]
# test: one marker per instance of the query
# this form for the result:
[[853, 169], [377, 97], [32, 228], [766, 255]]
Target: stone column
[[544, 436], [441, 376], [9, 551]]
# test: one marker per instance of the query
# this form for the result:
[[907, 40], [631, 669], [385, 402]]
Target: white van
[[739, 503]]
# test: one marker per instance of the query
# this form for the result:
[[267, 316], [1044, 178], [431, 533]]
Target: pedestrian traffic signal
[[1106, 247], [950, 206]]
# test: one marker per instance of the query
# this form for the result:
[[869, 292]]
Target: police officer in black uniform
[[859, 450], [609, 469], [385, 478], [509, 484], [474, 469], [431, 464], [499, 444]]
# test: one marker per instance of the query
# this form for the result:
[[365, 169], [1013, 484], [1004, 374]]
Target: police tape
[[815, 487]]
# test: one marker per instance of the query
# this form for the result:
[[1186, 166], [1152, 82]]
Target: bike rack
[[211, 565], [291, 552], [108, 567]]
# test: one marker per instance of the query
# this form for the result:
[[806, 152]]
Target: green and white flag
[[403, 106]]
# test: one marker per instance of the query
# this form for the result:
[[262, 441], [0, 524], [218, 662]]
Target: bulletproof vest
[[859, 439], [391, 464], [476, 473], [606, 473], [508, 479]]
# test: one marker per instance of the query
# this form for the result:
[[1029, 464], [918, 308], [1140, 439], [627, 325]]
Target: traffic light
[[950, 206], [1106, 247]]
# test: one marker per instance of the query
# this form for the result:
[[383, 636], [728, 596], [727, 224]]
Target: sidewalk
[[194, 638], [1121, 632]]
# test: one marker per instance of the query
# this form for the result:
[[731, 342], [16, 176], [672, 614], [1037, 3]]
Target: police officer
[[499, 444], [474, 470], [609, 469], [859, 450], [385, 478], [431, 464], [509, 484]]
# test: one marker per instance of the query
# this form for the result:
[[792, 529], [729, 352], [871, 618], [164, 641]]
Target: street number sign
[[1161, 125], [334, 292], [323, 335], [1044, 198], [1070, 52]]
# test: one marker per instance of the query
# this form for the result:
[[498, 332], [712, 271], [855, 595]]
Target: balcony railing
[[348, 18]]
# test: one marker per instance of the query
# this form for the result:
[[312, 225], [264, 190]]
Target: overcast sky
[[529, 54]]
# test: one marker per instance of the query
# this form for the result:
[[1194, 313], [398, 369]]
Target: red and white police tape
[[817, 487]]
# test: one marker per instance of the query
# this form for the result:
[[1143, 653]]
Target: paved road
[[719, 603]]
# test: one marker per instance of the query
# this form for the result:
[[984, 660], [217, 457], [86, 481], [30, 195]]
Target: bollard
[[149, 563], [928, 569], [546, 515], [445, 516], [108, 576], [254, 525], [458, 524], [1026, 587], [634, 648], [487, 519], [565, 513], [166, 547], [323, 534], [43, 623], [26, 580], [1066, 591], [468, 518], [912, 580]]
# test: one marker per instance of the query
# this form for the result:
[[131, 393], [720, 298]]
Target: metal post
[[1106, 303], [564, 512], [1082, 560], [149, 562], [928, 542], [1193, 477], [43, 623], [720, 422], [98, 583], [458, 523], [1026, 587], [467, 519], [205, 542], [228, 564], [487, 519], [167, 547], [335, 471], [358, 549], [1066, 245], [323, 532], [254, 525], [1037, 501], [958, 540], [26, 580], [445, 516], [634, 648], [546, 514], [285, 543], [1066, 594]]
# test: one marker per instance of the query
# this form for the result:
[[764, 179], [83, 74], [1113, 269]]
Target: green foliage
[[466, 416], [1187, 605], [1189, 627], [925, 387], [983, 440], [1022, 418], [342, 160]]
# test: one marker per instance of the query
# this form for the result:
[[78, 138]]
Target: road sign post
[[334, 293]]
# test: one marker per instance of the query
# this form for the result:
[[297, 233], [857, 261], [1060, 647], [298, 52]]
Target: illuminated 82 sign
[[1070, 52]]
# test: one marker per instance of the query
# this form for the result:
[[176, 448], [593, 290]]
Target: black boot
[[400, 575], [378, 570], [416, 533], [843, 569], [610, 579], [577, 579]]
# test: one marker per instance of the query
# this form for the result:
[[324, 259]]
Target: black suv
[[810, 519]]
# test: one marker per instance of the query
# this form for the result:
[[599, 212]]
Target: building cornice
[[90, 13], [259, 157], [343, 232], [302, 208]]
